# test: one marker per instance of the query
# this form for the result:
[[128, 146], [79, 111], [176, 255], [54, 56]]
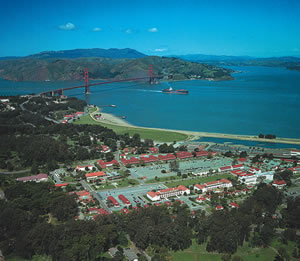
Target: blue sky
[[230, 27]]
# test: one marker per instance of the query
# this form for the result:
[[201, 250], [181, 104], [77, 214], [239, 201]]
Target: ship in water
[[170, 90]]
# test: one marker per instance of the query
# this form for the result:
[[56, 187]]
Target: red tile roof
[[106, 164], [201, 153], [114, 201], [34, 177], [153, 149], [234, 205], [225, 167], [124, 199], [61, 185], [96, 174], [149, 159], [279, 182], [237, 166], [132, 160], [169, 156], [184, 154], [125, 211]]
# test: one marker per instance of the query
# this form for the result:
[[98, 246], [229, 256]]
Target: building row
[[35, 178], [101, 176], [213, 185], [169, 192]]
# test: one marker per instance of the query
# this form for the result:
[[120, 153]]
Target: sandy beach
[[193, 135]]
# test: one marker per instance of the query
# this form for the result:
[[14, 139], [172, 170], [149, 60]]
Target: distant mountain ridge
[[211, 57], [114, 53], [290, 62]]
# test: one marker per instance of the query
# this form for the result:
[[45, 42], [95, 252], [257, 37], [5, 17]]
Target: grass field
[[198, 252], [157, 135], [188, 182]]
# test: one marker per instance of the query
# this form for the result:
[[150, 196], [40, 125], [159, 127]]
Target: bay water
[[260, 100]]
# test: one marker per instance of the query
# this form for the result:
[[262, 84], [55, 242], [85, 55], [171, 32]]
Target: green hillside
[[106, 68]]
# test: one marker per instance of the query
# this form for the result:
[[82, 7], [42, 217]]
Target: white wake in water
[[149, 91]]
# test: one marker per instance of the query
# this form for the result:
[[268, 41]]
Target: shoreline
[[109, 118]]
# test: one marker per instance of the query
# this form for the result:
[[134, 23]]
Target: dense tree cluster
[[225, 230], [267, 136], [135, 141], [157, 227], [48, 145], [165, 148], [45, 106], [27, 225]]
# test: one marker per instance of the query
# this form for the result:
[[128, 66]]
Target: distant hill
[[207, 57], [94, 52], [9, 58], [83, 53], [290, 62], [32, 69]]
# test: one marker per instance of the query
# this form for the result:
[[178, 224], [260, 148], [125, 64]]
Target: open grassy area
[[92, 109], [198, 252], [121, 184], [162, 179], [289, 247], [157, 135], [188, 182]]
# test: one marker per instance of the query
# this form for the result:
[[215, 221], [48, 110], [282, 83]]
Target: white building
[[169, 192], [82, 168], [213, 185], [248, 180], [295, 152]]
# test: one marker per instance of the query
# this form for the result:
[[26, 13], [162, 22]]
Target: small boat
[[170, 90], [123, 117]]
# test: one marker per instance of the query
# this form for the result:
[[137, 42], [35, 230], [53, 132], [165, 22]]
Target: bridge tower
[[151, 79], [86, 81]]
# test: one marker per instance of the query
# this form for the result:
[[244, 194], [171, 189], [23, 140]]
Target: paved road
[[15, 172], [138, 249], [94, 194]]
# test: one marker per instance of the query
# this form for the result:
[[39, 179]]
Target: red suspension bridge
[[87, 84]]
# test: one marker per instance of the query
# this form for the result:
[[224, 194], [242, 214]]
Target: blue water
[[260, 100], [251, 143]]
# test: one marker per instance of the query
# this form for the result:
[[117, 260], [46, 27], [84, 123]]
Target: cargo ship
[[170, 90]]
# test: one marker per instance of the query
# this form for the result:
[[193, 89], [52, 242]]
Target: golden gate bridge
[[87, 84]]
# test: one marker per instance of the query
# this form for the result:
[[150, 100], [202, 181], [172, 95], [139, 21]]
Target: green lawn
[[289, 247], [198, 252], [69, 179], [162, 179], [188, 182], [92, 109], [157, 135], [121, 183]]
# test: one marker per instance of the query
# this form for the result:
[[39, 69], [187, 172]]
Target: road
[[87, 187], [15, 172], [137, 249]]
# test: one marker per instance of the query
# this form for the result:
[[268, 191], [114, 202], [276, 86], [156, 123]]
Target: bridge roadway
[[93, 84]]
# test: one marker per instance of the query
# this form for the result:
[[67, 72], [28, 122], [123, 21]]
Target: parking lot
[[150, 172], [134, 194], [190, 165]]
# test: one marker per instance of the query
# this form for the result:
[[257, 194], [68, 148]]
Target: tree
[[9, 166], [34, 168], [64, 207], [2, 164], [174, 165], [109, 156]]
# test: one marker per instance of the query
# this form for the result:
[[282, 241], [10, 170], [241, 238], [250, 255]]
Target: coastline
[[192, 135]]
